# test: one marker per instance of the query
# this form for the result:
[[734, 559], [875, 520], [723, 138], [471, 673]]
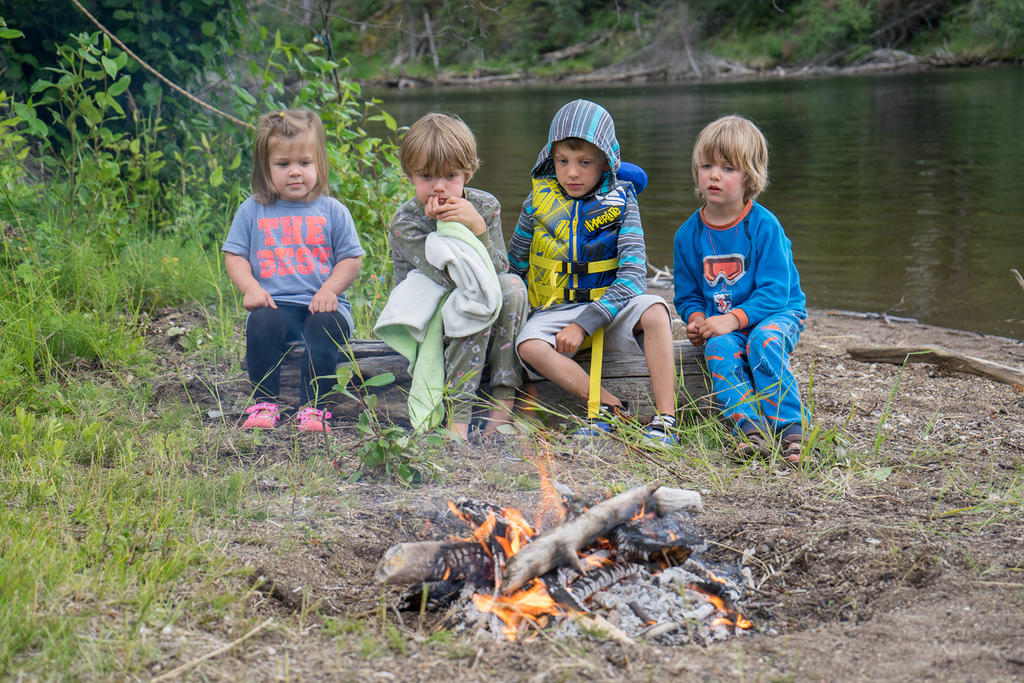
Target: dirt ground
[[899, 557]]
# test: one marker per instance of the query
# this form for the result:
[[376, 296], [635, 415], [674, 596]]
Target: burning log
[[673, 537], [407, 563], [559, 546], [582, 589]]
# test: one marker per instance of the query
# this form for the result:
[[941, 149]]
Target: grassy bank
[[107, 218], [142, 532]]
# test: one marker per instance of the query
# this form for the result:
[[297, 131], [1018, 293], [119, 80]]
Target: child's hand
[[717, 325], [456, 209], [570, 339], [257, 297], [324, 301], [695, 332]]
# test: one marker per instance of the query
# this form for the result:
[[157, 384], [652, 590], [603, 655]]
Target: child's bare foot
[[459, 431], [497, 416]]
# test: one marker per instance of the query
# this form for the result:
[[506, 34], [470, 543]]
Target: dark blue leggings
[[269, 331]]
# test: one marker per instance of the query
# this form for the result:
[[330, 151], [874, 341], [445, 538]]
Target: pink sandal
[[311, 419], [262, 416]]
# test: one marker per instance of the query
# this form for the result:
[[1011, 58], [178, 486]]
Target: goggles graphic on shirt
[[730, 268]]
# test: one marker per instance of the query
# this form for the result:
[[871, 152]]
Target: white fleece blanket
[[419, 313]]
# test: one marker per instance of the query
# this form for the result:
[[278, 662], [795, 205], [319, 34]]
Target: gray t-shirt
[[294, 246]]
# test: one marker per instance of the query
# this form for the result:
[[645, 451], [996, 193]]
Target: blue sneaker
[[602, 424], [659, 431]]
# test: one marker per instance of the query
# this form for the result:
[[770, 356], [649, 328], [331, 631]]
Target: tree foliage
[[185, 40], [420, 37]]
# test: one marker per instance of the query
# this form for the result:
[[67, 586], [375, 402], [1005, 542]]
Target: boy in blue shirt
[[738, 290], [579, 246]]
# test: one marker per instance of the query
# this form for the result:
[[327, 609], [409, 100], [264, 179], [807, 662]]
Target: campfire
[[628, 567]]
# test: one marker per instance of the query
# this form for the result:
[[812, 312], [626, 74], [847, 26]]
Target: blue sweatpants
[[752, 378]]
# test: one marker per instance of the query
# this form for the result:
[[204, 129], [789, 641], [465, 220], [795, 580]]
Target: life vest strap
[[576, 296], [596, 357], [574, 267]]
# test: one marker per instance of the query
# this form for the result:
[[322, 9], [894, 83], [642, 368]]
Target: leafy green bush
[[828, 30], [95, 234], [999, 21]]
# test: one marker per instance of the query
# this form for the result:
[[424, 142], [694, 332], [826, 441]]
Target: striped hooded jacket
[[601, 226]]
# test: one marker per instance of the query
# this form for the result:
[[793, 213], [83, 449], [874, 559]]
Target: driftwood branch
[[947, 360], [558, 547], [1016, 274], [883, 316], [571, 51]]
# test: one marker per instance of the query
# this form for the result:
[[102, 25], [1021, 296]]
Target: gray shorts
[[618, 334]]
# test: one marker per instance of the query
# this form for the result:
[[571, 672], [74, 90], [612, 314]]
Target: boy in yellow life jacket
[[579, 245]]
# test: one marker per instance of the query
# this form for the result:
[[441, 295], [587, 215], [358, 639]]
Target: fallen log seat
[[625, 375]]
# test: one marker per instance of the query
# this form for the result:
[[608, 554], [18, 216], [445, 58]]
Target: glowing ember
[[532, 603], [596, 559], [720, 605]]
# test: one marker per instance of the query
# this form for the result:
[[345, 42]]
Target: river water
[[902, 193]]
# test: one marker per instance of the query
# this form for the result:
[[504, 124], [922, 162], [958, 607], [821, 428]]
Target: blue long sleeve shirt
[[745, 268]]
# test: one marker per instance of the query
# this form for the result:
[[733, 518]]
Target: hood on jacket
[[588, 121]]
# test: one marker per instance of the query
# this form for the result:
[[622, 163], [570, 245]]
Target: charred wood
[[430, 595], [599, 579], [560, 545], [406, 563], [561, 594], [477, 512], [673, 538]]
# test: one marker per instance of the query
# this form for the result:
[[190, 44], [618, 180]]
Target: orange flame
[[551, 512], [719, 603], [716, 601], [532, 603], [594, 560]]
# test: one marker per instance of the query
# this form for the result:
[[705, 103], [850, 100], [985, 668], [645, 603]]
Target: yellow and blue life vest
[[574, 252]]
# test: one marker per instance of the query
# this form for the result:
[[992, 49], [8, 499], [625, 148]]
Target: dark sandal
[[752, 445], [793, 453]]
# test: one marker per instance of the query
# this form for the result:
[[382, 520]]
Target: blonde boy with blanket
[[447, 240]]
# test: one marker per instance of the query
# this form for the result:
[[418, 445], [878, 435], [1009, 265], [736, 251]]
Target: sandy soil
[[897, 558]]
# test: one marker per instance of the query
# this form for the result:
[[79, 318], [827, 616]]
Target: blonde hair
[[734, 140], [288, 125], [439, 144]]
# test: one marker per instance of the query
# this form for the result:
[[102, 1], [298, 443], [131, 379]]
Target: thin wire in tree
[[156, 73]]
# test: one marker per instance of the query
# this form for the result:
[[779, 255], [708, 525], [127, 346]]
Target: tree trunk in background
[[430, 39]]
